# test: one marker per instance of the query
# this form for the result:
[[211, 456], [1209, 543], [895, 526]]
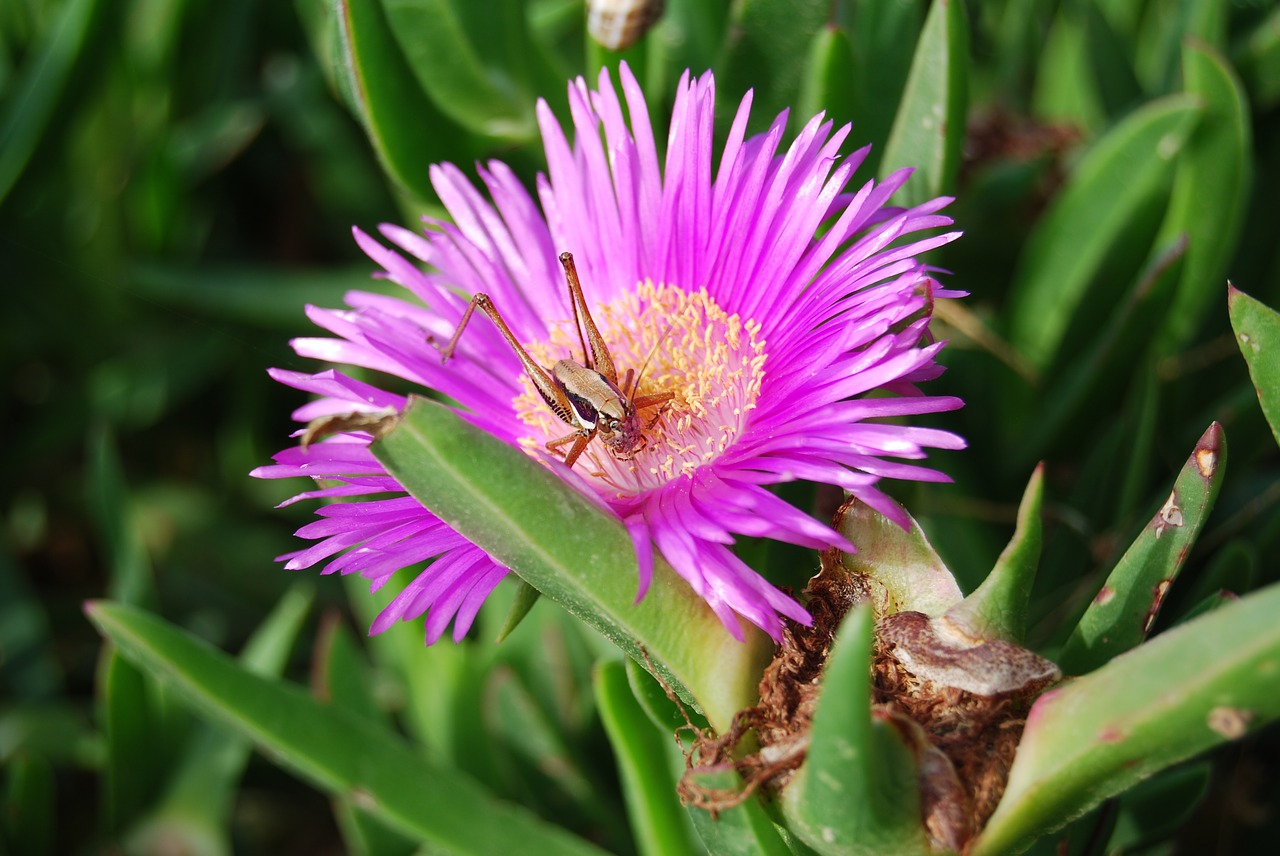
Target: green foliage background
[[178, 178]]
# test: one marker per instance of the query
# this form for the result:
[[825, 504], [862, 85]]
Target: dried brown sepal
[[959, 703], [376, 423], [970, 698], [788, 693]]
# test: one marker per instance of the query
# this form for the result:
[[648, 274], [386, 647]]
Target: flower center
[[681, 343]]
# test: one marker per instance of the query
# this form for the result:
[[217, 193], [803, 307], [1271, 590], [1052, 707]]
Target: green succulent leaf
[[657, 820], [1257, 329], [1123, 611], [135, 769], [470, 59], [30, 103], [330, 747], [1195, 686], [743, 830], [828, 82], [1211, 189], [403, 124], [856, 792], [574, 552], [902, 561], [1118, 177], [997, 609], [197, 803], [929, 128]]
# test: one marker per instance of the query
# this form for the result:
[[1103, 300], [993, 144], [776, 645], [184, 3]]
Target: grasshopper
[[586, 395]]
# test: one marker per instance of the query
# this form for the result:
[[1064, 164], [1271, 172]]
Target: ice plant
[[787, 316]]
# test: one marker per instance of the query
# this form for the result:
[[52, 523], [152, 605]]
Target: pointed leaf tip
[[997, 609]]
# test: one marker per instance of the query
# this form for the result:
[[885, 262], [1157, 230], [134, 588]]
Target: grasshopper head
[[619, 428]]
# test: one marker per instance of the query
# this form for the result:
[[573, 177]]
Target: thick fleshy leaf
[[1210, 190], [1257, 329], [1118, 178], [469, 58], [196, 807], [997, 609], [1065, 90], [330, 747], [574, 552], [1111, 64], [828, 84], [136, 760], [1123, 611], [856, 792], [744, 830], [1093, 381], [929, 128], [402, 123], [657, 820], [341, 676], [903, 561], [1191, 688]]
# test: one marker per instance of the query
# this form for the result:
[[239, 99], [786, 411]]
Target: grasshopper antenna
[[645, 365]]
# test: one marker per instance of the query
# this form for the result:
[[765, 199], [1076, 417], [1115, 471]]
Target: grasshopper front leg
[[548, 387]]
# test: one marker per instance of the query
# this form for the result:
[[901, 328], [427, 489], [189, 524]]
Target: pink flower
[[782, 313]]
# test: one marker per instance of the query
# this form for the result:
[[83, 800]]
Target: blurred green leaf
[[1112, 66], [1257, 329], [880, 33], [472, 60], [1259, 60], [856, 792], [929, 128], [1123, 611], [1154, 809], [764, 40], [31, 103], [29, 806], [341, 677], [1086, 385], [1210, 191], [829, 81], [574, 553], [261, 297], [1116, 179], [28, 668], [1192, 687], [1065, 90], [197, 804], [330, 747], [406, 129], [1164, 29], [137, 754], [130, 567], [658, 823]]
